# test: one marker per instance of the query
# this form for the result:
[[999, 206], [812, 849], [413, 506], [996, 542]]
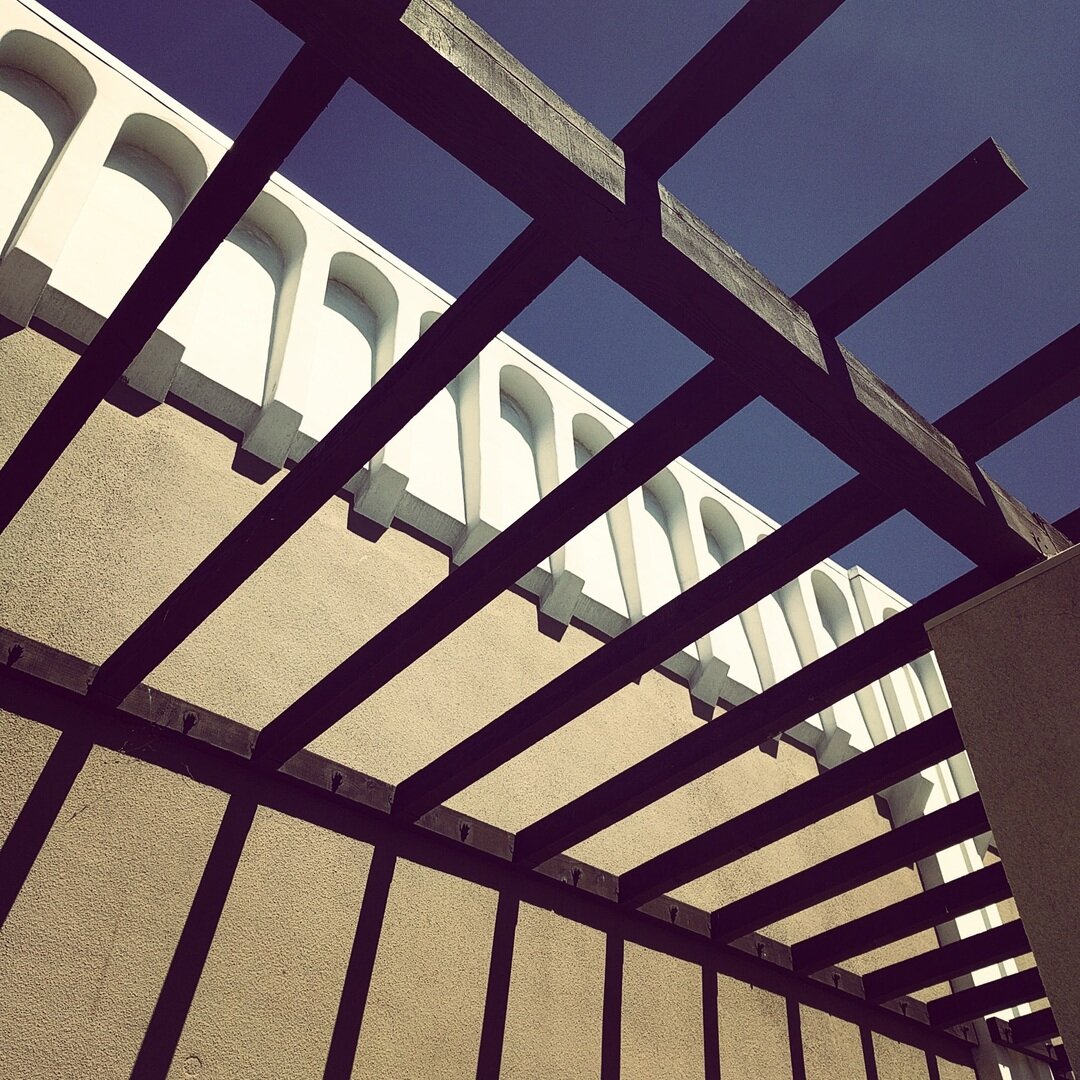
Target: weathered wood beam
[[1053, 1055], [499, 294], [749, 46], [852, 666], [48, 686], [1037, 1027], [957, 958], [681, 420], [903, 246], [444, 75], [978, 1001], [872, 859], [296, 99], [902, 919], [853, 780]]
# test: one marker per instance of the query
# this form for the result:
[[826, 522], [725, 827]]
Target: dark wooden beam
[[749, 46], [957, 958], [1053, 1055], [873, 859], [296, 99], [1037, 1027], [977, 1001], [899, 249], [852, 666], [681, 420], [1017, 400], [902, 919], [500, 293], [853, 780], [842, 516], [365, 429], [443, 74], [48, 686], [667, 431]]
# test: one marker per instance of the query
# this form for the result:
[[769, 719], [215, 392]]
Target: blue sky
[[877, 104]]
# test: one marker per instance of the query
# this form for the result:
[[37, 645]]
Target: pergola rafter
[[599, 199]]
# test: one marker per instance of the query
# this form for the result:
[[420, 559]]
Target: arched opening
[[232, 330], [592, 553], [739, 642], [151, 173], [44, 93], [343, 359], [436, 471], [658, 576]]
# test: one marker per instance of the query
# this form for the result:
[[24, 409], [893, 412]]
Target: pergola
[[598, 199]]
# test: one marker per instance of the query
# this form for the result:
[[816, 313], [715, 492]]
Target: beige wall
[[125, 514], [1010, 661]]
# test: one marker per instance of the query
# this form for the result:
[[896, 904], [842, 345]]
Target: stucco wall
[[1010, 661], [127, 512]]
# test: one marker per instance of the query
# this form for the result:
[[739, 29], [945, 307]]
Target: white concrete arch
[[838, 623], [244, 303], [740, 642], [437, 447], [150, 175], [665, 557], [44, 93], [522, 452], [602, 554], [353, 341]]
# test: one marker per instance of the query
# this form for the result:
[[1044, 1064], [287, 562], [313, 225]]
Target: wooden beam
[[1037, 1027], [902, 247], [296, 99], [873, 859], [978, 1001], [853, 780], [48, 686], [842, 516], [852, 666], [499, 294], [902, 919], [957, 958], [681, 420], [985, 420], [749, 46], [1017, 400], [365, 429], [668, 430], [443, 74]]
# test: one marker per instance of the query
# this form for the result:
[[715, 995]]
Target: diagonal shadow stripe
[[38, 815], [611, 1030], [493, 1032], [354, 991], [177, 992]]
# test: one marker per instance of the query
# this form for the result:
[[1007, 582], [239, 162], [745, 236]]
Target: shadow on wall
[[156, 1056]]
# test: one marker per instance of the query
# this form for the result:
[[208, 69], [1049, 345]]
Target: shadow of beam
[[354, 991], [866, 1037], [710, 1023], [932, 1070], [611, 1027], [493, 1031], [795, 1044], [177, 992], [38, 815]]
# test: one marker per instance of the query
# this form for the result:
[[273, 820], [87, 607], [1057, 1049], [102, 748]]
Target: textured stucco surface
[[1009, 659], [127, 512]]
